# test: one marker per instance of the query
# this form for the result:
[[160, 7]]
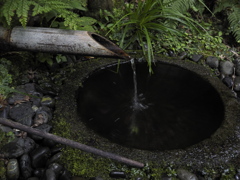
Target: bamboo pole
[[71, 143], [55, 40]]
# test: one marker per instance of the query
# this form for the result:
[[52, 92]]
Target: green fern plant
[[23, 10], [184, 5], [232, 9]]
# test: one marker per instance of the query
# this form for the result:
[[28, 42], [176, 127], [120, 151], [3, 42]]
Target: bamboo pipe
[[58, 41]]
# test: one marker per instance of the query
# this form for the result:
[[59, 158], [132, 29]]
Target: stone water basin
[[189, 116]]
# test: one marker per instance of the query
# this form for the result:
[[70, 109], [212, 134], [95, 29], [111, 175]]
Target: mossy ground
[[78, 162]]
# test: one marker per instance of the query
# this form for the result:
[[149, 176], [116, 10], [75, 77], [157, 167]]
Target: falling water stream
[[137, 105]]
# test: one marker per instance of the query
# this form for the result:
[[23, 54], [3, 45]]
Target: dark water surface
[[178, 108]]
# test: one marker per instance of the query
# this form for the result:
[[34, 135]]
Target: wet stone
[[56, 149], [57, 168], [47, 110], [226, 67], [27, 144], [4, 112], [33, 178], [22, 113], [182, 55], [96, 178], [42, 127], [237, 177], [30, 88], [12, 150], [40, 156], [48, 101], [34, 108], [222, 76], [43, 115], [46, 88], [40, 118], [10, 101], [48, 142], [17, 98], [25, 166], [196, 57], [228, 81], [50, 175], [117, 174], [186, 175], [217, 72], [171, 53], [54, 158], [27, 120], [212, 62], [236, 86], [5, 128], [39, 172], [236, 60], [36, 98], [237, 70], [66, 175], [12, 169], [79, 178]]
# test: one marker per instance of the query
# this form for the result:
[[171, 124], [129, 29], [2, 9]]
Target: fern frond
[[182, 6], [232, 9], [69, 19], [39, 9], [22, 11], [80, 5], [50, 9], [223, 5], [45, 6], [8, 10], [58, 4], [234, 21]]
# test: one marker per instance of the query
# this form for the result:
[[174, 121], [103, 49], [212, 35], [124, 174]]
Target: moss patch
[[6, 137], [2, 170], [84, 164]]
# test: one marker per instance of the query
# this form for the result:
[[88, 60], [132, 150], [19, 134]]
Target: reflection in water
[[174, 107]]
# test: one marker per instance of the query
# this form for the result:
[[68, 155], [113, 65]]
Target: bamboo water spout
[[58, 41]]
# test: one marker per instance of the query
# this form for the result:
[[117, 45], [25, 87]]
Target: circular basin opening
[[178, 107]]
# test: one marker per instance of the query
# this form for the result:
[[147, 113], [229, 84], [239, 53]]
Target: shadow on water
[[179, 108]]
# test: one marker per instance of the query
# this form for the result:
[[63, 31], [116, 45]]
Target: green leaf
[[22, 11], [45, 57], [50, 62], [8, 10], [77, 5], [60, 58]]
